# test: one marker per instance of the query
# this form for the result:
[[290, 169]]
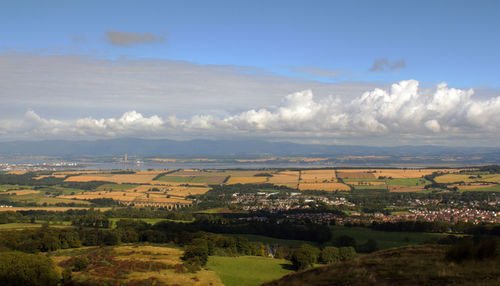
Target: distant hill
[[412, 265], [158, 147]]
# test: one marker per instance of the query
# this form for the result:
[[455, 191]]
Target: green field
[[183, 179], [382, 188], [248, 270], [18, 225], [384, 239], [408, 182], [38, 223], [146, 220], [40, 199], [398, 181], [272, 240], [14, 187]]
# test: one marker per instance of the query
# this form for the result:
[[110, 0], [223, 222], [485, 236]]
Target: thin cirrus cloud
[[126, 39], [403, 111], [383, 64]]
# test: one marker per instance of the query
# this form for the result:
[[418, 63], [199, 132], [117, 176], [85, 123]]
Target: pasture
[[248, 270]]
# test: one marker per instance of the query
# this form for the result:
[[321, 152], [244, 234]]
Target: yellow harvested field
[[287, 178], [128, 197], [186, 191], [474, 186], [17, 172], [46, 176], [323, 187], [115, 178], [21, 192], [317, 176], [355, 175], [452, 178], [246, 180], [409, 173]]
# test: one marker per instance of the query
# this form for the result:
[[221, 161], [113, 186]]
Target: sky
[[332, 72]]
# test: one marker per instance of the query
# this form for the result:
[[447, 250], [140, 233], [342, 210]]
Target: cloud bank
[[128, 38], [403, 111], [383, 64]]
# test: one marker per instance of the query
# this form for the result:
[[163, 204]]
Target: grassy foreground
[[248, 270], [412, 265]]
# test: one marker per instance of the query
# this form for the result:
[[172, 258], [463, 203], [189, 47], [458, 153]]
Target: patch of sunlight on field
[[248, 270]]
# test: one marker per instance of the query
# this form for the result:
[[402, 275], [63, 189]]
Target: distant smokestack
[[125, 157]]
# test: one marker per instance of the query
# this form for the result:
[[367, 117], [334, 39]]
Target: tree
[[305, 256], [18, 269], [196, 253], [347, 253], [330, 254]]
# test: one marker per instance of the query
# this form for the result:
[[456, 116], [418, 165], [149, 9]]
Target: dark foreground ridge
[[412, 265]]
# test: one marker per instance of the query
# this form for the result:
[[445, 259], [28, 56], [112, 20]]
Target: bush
[[81, 263]]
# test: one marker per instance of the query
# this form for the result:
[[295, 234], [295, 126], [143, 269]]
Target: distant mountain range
[[246, 148]]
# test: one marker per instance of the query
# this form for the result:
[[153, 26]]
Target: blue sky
[[376, 72], [452, 41]]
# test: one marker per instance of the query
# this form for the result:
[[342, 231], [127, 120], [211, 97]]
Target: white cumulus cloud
[[404, 110]]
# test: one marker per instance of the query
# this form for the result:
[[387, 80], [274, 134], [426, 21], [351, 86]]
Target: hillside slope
[[413, 265]]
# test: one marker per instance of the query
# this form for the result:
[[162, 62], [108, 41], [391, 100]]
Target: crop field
[[134, 265], [187, 191], [455, 178], [47, 176], [323, 187], [479, 187], [139, 178], [408, 181], [286, 178], [117, 187], [21, 192], [317, 176], [369, 187], [40, 199], [246, 180], [248, 270], [184, 179], [14, 187], [355, 175]]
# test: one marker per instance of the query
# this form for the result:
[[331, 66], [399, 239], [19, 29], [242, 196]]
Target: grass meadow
[[248, 270]]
